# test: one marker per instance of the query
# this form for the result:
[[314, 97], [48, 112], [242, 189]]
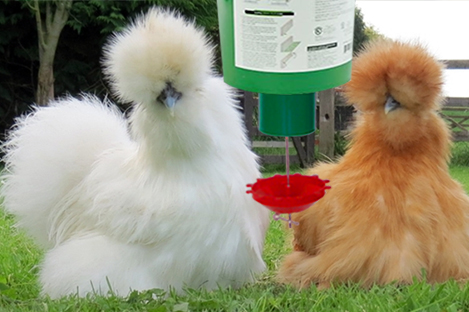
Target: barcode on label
[[347, 47]]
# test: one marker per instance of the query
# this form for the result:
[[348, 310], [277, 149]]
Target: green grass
[[460, 154], [19, 290], [461, 173]]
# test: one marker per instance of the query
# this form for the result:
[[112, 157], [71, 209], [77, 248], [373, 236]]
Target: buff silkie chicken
[[159, 202], [393, 208]]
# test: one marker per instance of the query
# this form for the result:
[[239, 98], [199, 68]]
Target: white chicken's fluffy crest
[[160, 46]]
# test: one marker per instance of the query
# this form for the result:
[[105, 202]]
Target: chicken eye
[[395, 102]]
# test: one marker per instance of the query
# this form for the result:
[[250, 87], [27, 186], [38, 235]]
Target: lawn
[[19, 290]]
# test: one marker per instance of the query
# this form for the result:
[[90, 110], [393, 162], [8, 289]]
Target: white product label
[[288, 36]]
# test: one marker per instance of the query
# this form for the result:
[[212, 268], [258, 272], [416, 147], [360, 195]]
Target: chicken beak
[[170, 101], [169, 96], [390, 105]]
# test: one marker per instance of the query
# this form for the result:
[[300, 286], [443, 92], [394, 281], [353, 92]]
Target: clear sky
[[442, 25]]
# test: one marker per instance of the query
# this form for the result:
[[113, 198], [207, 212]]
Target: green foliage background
[[77, 62]]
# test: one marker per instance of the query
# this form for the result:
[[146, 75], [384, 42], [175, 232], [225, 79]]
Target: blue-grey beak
[[390, 105], [169, 96]]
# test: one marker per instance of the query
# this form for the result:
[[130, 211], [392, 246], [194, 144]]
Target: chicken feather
[[393, 208], [158, 201]]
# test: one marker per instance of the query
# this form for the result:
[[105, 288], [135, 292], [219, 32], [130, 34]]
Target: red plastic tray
[[276, 195]]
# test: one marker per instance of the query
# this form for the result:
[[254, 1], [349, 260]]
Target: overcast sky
[[442, 25]]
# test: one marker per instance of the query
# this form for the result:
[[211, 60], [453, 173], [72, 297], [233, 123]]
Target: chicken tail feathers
[[50, 151]]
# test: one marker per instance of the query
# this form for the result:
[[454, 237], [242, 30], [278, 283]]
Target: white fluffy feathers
[[157, 203], [158, 47]]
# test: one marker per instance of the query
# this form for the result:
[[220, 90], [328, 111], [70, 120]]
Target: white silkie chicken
[[157, 203]]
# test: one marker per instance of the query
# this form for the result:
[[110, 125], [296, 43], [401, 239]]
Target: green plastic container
[[287, 115], [287, 105]]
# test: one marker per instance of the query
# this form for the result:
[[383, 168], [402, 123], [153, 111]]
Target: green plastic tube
[[287, 115]]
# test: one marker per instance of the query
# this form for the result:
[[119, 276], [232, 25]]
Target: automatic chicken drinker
[[286, 50]]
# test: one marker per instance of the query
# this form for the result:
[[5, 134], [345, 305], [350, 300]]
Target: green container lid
[[287, 115]]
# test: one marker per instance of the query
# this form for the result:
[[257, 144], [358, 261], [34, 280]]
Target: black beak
[[169, 96]]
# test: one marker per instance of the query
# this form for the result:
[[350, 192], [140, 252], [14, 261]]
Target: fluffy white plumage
[[155, 203]]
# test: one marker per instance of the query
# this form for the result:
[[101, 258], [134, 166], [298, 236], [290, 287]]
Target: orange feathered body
[[393, 208]]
